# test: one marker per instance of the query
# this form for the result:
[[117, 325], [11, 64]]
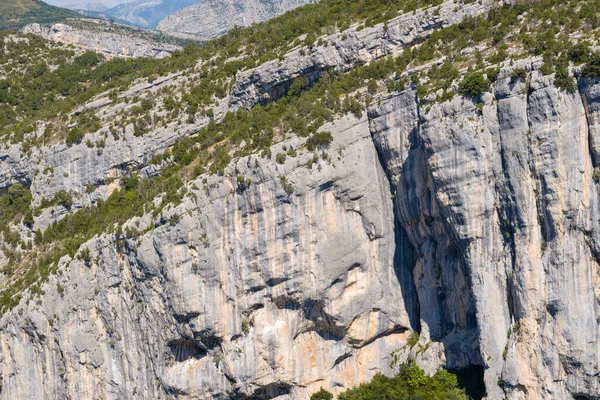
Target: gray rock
[[500, 210], [253, 290], [213, 18], [345, 50], [104, 37], [476, 226]]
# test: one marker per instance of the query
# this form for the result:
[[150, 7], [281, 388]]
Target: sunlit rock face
[[473, 223]]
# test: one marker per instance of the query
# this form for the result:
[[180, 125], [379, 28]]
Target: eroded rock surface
[[103, 40], [474, 225], [254, 291]]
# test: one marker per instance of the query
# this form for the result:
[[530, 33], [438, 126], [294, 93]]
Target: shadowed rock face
[[501, 208], [475, 226]]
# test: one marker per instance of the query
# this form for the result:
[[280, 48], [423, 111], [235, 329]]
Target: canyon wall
[[472, 223]]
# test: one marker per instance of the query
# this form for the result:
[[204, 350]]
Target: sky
[[108, 3]]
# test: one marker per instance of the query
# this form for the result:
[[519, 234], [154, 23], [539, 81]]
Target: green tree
[[319, 140], [64, 199], [410, 383], [518, 74], [322, 394], [75, 136], [298, 86], [473, 84], [592, 68]]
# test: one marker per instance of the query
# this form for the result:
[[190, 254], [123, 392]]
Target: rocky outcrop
[[102, 39], [345, 50], [254, 292], [476, 226], [89, 172], [212, 18]]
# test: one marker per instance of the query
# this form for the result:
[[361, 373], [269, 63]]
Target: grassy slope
[[16, 13]]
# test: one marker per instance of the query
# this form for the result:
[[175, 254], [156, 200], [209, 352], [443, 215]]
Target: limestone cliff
[[107, 38], [472, 223]]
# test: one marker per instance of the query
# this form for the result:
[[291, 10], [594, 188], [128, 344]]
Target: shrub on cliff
[[298, 86], [75, 136], [473, 84], [518, 74], [321, 395], [16, 201], [563, 80], [592, 69], [319, 140], [64, 199]]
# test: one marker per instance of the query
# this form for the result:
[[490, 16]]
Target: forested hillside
[[15, 14]]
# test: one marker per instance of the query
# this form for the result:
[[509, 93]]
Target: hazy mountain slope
[[17, 13], [213, 18], [307, 203], [88, 6], [147, 14]]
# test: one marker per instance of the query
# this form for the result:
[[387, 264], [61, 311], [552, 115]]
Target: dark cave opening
[[271, 391], [470, 378], [185, 349]]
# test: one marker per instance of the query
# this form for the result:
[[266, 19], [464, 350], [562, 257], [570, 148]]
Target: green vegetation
[[15, 14], [66, 236], [592, 68], [410, 383], [413, 339], [271, 39], [64, 199], [14, 207], [518, 74], [41, 88], [473, 84], [322, 394], [33, 91], [319, 140], [15, 202], [37, 92]]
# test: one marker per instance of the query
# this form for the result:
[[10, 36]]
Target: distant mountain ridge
[[87, 6], [147, 13], [213, 18]]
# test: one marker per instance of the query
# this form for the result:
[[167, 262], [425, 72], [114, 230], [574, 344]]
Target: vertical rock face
[[500, 205], [254, 293], [475, 226]]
